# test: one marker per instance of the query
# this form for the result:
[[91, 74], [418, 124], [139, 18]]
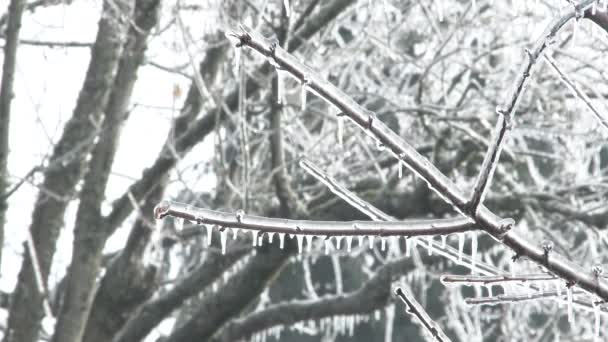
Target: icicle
[[287, 8], [460, 245], [209, 229], [371, 241], [382, 243], [444, 239], [360, 240], [575, 25], [594, 8], [281, 240], [237, 60], [474, 5], [439, 5], [270, 236], [596, 326], [327, 243], [407, 247], [223, 236], [570, 313], [429, 239], [254, 237], [400, 170], [340, 130], [350, 322], [299, 239], [303, 93], [308, 243], [235, 233], [260, 240], [473, 251], [338, 239], [280, 86], [489, 288], [179, 224], [349, 242]]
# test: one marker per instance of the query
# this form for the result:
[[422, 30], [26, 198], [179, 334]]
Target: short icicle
[[223, 236], [473, 250], [299, 239], [460, 245], [349, 242], [570, 312], [209, 229]]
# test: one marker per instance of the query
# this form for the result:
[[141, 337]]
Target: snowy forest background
[[108, 108]]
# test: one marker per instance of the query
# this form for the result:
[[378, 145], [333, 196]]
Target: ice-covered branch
[[576, 90], [511, 298], [416, 310], [261, 224], [509, 108], [366, 208], [436, 180], [488, 280]]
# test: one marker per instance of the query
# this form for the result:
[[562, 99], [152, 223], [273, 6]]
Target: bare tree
[[288, 209]]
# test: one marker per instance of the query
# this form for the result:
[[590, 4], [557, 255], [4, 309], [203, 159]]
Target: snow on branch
[[509, 108], [318, 228], [497, 227], [415, 309]]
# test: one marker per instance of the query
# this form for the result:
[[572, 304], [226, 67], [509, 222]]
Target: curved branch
[[320, 228]]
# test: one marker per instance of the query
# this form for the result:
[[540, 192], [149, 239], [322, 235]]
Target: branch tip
[[162, 209]]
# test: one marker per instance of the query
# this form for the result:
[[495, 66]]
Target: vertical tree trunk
[[15, 11], [65, 170], [90, 232]]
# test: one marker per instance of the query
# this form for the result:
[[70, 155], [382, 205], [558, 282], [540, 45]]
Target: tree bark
[[90, 234], [15, 11], [65, 170]]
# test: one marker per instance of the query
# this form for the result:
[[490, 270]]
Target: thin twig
[[486, 280], [40, 282], [416, 310], [576, 90]]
